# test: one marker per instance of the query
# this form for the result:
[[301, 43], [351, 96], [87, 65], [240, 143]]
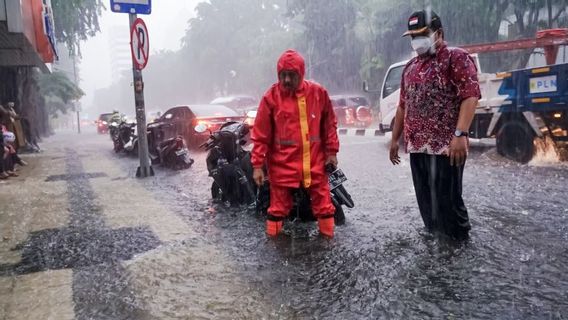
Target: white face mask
[[424, 44]]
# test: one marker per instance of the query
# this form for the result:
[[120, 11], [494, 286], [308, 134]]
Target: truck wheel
[[515, 141]]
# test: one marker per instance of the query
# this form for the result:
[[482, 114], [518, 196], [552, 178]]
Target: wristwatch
[[459, 133]]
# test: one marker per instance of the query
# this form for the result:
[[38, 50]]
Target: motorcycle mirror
[[200, 128]]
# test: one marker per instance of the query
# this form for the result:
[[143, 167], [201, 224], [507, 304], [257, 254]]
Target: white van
[[390, 94]]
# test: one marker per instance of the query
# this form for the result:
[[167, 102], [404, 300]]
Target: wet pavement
[[158, 248]]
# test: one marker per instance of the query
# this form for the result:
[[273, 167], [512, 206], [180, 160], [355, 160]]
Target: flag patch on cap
[[413, 21]]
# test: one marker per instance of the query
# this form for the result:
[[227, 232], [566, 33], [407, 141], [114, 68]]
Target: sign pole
[[76, 102], [78, 123], [145, 169]]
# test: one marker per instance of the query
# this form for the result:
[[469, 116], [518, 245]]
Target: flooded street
[[88, 231], [115, 247]]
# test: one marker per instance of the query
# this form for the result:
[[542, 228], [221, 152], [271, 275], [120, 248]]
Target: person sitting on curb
[[9, 154]]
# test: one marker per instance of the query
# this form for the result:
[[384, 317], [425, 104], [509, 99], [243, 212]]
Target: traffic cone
[[273, 228], [326, 226]]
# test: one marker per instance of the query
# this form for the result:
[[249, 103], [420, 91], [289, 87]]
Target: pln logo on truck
[[543, 84]]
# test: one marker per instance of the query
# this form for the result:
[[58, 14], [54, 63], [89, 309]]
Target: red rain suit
[[293, 134]]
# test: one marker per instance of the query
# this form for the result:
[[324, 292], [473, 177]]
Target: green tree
[[232, 46], [58, 92], [76, 21], [380, 26], [329, 42]]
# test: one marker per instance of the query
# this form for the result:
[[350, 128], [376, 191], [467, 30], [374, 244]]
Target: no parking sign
[[139, 44]]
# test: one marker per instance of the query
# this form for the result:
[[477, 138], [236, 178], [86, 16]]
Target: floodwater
[[380, 265]]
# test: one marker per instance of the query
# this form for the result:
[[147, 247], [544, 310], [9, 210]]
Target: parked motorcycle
[[302, 209], [229, 164], [173, 153], [114, 136], [123, 135], [128, 137]]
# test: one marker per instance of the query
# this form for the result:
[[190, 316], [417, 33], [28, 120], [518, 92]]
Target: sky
[[166, 26]]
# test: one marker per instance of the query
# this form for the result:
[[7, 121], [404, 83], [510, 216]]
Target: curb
[[359, 132]]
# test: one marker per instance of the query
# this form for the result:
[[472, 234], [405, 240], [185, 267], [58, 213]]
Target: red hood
[[292, 60]]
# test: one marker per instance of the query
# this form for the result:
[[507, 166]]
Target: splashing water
[[545, 153]]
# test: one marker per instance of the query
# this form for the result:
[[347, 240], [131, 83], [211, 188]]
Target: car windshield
[[105, 116], [212, 110], [358, 101], [223, 100], [235, 102]]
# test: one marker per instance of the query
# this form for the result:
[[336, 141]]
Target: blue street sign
[[131, 6]]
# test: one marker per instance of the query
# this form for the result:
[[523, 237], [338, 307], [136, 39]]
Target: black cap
[[420, 21]]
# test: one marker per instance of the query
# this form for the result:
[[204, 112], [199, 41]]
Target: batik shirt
[[432, 89]]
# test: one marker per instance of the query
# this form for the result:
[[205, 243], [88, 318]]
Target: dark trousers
[[2, 169], [438, 187], [8, 164], [16, 158]]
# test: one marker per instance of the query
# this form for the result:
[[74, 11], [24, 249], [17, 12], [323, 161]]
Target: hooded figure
[[295, 136]]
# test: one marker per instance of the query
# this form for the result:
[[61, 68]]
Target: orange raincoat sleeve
[[330, 127], [262, 134]]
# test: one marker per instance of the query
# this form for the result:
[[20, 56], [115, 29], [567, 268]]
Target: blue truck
[[536, 106]]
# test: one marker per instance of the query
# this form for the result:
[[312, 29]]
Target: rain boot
[[273, 228], [326, 226]]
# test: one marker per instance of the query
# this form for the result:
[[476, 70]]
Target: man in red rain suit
[[295, 135]]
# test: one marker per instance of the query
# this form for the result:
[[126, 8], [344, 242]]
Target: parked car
[[352, 110], [240, 103], [153, 115], [182, 120], [103, 122]]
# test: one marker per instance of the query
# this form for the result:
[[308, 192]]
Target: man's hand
[[258, 176], [458, 151], [393, 153], [331, 159]]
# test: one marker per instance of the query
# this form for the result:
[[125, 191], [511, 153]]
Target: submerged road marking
[[75, 176]]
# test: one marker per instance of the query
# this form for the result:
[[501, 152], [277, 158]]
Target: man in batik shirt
[[438, 96]]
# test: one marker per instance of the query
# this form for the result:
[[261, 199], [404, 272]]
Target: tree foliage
[[232, 46], [75, 21], [58, 92]]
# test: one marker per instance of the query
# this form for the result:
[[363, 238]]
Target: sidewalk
[[29, 204], [80, 237]]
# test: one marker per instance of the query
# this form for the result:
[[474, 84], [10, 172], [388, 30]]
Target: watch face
[[458, 133]]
